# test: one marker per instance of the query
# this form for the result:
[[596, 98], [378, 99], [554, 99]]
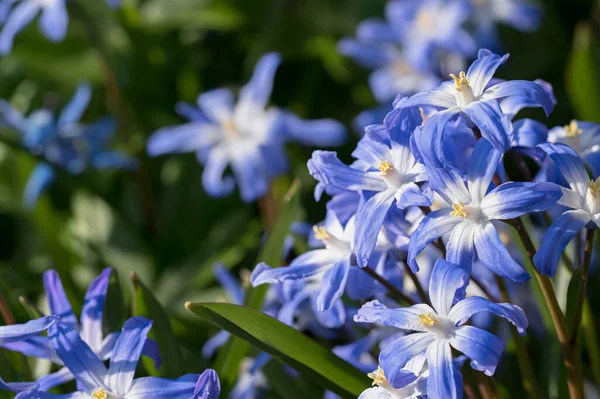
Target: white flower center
[[471, 213], [332, 242], [441, 327], [464, 92]]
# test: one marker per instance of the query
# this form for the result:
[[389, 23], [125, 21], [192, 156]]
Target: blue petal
[[512, 200], [33, 346], [288, 311], [369, 220], [163, 388], [493, 254], [401, 123], [251, 174], [557, 237], [404, 318], [491, 121], [20, 332], [229, 283], [449, 184], [438, 98], [325, 167], [335, 317], [12, 117], [570, 165], [316, 132], [305, 265], [93, 310], [217, 105], [482, 70], [445, 381], [460, 248], [152, 351], [258, 90], [48, 395], [126, 354], [57, 298], [39, 181], [483, 165], [77, 356], [434, 225], [214, 343], [333, 285], [463, 310], [356, 285], [355, 353], [483, 348], [446, 278], [375, 31], [57, 378], [212, 178], [366, 54], [208, 386], [54, 20], [19, 17], [395, 355], [531, 93], [430, 141], [74, 110], [190, 112]]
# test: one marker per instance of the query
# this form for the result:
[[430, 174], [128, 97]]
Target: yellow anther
[[427, 319], [100, 394], [595, 187], [573, 129], [378, 376], [385, 167], [458, 210], [460, 81], [320, 233]]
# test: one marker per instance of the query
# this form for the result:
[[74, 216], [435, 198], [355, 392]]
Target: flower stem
[[416, 282], [527, 375], [395, 292], [7, 315], [585, 272]]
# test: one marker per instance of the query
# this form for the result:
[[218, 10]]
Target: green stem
[[527, 375], [395, 292], [585, 272]]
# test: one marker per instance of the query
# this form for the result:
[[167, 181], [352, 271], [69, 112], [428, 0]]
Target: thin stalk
[[395, 292], [7, 315], [487, 387], [416, 282], [585, 272], [527, 375]]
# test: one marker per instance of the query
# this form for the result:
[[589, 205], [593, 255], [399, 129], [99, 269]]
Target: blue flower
[[582, 200], [95, 381], [386, 166], [90, 327], [247, 136], [64, 142], [468, 222], [251, 380], [53, 20], [471, 97], [437, 330], [583, 138]]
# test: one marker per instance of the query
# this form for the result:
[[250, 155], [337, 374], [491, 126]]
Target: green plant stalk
[[585, 272]]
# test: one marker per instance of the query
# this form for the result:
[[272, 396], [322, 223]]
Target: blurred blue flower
[[437, 330], [95, 381], [581, 199], [90, 327], [471, 97], [469, 221], [247, 136], [54, 19], [64, 142]]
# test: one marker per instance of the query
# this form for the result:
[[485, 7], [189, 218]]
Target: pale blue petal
[[482, 70], [19, 17], [375, 31], [557, 237], [493, 254], [163, 388], [483, 348], [12, 117], [570, 165], [333, 285], [93, 310], [482, 166], [335, 317], [212, 178], [445, 380], [306, 265], [74, 110], [532, 93], [512, 200], [214, 343], [369, 220], [208, 386], [405, 318], [449, 184], [493, 124], [193, 136], [217, 105], [258, 90], [57, 298], [20, 332], [446, 278], [114, 160], [395, 355], [435, 98], [41, 178], [463, 310], [229, 283], [315, 132]]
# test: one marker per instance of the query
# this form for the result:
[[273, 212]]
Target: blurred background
[[158, 222]]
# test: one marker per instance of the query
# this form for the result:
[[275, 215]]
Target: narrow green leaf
[[286, 345], [287, 386], [145, 304], [231, 354], [583, 75]]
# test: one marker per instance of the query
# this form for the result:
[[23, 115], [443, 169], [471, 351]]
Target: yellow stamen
[[427, 319], [460, 81], [573, 129], [377, 376], [320, 233], [100, 394], [595, 187], [458, 210], [385, 167]]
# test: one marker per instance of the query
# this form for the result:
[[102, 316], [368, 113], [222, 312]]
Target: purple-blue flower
[[469, 221], [437, 330], [247, 135], [96, 381], [471, 97]]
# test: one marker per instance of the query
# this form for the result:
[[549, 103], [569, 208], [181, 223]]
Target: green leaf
[[286, 386], [583, 75], [572, 295], [145, 304], [231, 354], [287, 345], [114, 307]]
